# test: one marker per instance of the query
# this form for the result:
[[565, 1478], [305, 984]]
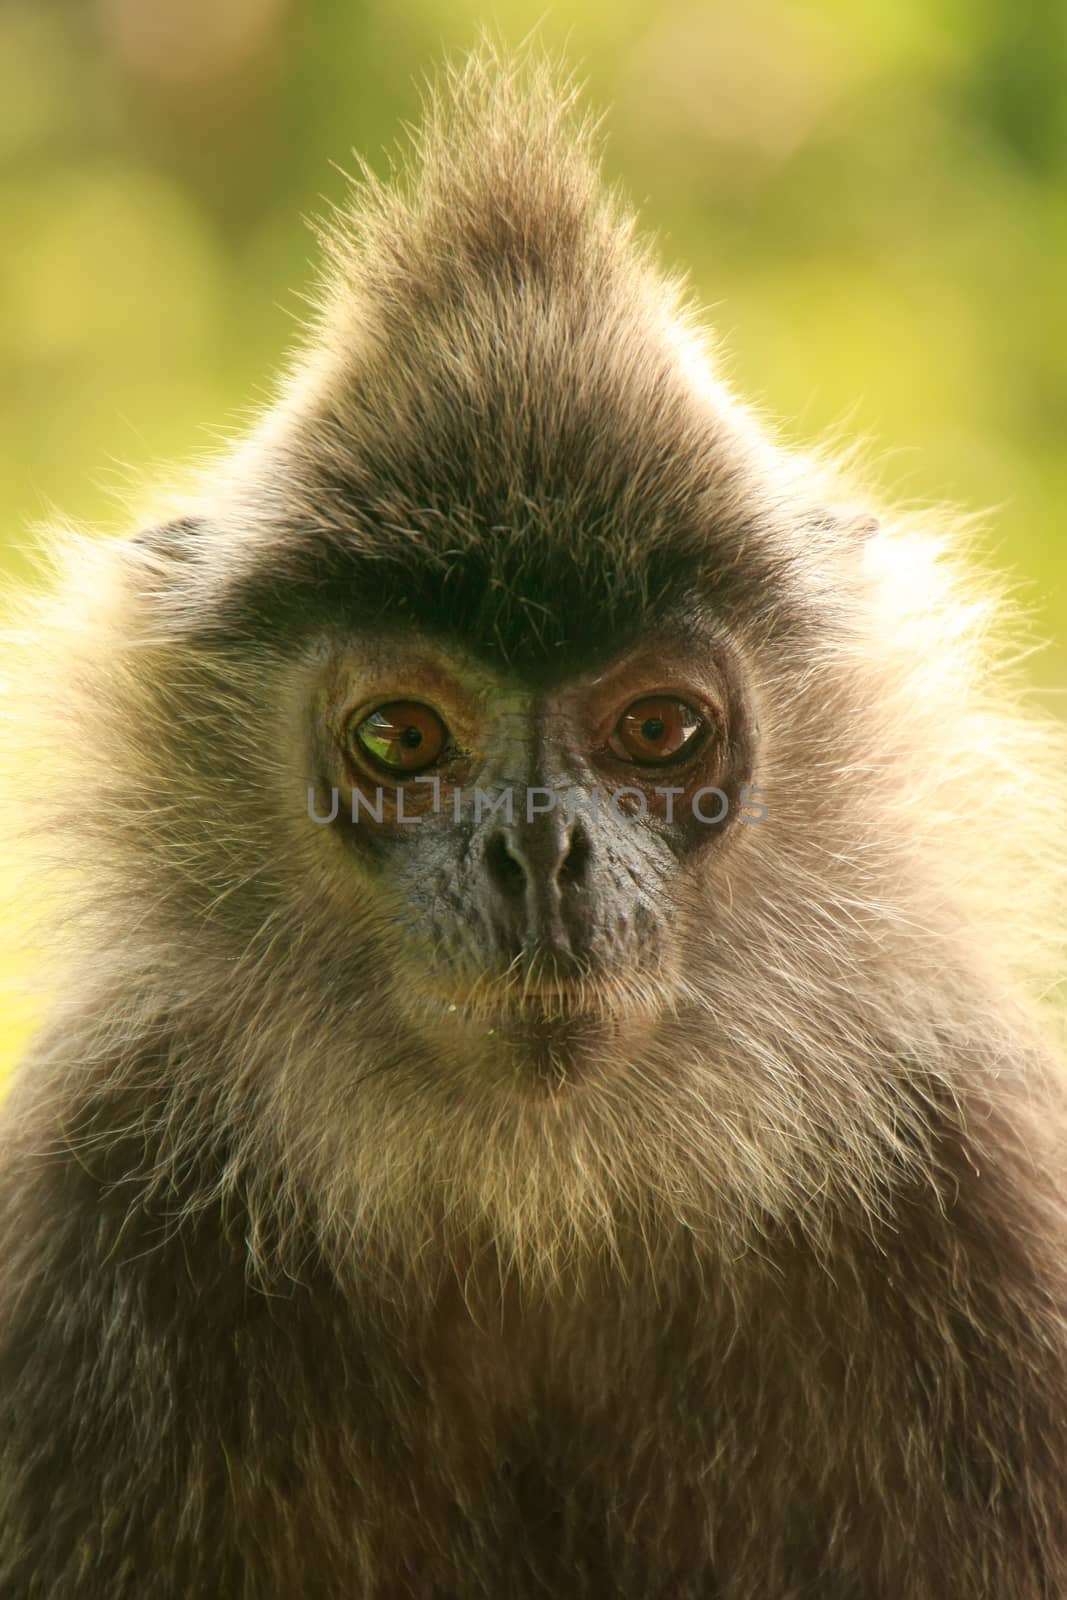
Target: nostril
[[574, 868], [505, 869]]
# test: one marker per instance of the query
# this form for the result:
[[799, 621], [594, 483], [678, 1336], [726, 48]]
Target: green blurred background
[[872, 201]]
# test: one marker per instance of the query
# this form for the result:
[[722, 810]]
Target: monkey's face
[[534, 841]]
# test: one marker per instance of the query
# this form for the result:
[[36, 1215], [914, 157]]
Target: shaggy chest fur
[[668, 1424]]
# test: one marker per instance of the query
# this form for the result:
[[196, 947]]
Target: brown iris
[[400, 737], [657, 730]]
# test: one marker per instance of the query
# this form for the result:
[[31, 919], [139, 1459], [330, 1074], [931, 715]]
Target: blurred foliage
[[871, 200]]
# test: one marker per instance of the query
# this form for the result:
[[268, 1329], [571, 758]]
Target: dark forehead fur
[[495, 432]]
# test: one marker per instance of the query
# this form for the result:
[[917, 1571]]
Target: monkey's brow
[[510, 630], [532, 609]]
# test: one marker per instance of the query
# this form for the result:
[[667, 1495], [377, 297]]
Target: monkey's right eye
[[401, 737]]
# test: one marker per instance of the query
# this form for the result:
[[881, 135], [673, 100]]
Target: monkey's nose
[[518, 863], [534, 878]]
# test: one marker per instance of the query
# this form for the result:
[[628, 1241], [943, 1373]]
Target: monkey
[[550, 906]]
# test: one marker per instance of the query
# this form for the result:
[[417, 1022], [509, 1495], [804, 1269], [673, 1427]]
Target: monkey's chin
[[555, 1049]]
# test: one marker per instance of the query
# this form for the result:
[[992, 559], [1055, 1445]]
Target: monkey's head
[[515, 764]]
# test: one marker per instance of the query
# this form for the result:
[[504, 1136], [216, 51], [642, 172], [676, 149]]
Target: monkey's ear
[[172, 541]]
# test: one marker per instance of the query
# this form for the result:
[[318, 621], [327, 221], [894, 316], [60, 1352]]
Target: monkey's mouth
[[528, 1033], [495, 1001], [554, 1027], [544, 1029]]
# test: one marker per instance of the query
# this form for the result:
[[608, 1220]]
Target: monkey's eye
[[657, 730], [400, 737]]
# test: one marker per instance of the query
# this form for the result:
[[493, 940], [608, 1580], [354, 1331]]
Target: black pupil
[[411, 738], [653, 728]]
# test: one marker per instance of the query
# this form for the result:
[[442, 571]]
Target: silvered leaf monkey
[[541, 1096]]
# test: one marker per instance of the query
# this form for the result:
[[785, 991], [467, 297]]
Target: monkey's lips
[[554, 1028]]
